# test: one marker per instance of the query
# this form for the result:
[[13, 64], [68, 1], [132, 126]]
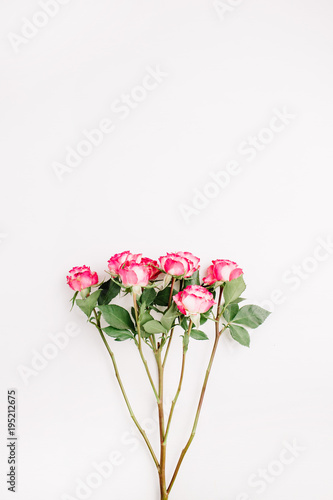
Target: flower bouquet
[[167, 298]]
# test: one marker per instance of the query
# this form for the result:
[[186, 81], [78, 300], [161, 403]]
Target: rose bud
[[222, 270], [119, 259], [193, 301], [135, 276], [81, 277], [180, 264]]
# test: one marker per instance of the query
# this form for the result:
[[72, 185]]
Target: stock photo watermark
[[249, 149], [224, 7], [293, 278], [3, 237], [298, 273], [268, 474], [30, 28], [122, 107], [12, 439], [41, 358], [102, 470]]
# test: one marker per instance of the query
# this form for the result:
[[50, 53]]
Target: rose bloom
[[81, 277], [152, 266], [119, 259], [194, 300], [179, 264], [135, 275], [222, 270]]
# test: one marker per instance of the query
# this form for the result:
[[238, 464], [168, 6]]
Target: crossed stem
[[160, 464]]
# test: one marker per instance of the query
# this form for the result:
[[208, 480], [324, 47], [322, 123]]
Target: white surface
[[226, 76]]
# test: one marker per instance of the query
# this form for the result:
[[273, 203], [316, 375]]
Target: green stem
[[202, 395], [163, 490], [140, 348], [171, 290], [142, 432], [153, 343], [174, 401], [168, 347], [219, 312], [171, 333]]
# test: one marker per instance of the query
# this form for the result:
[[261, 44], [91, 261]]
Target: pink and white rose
[[152, 266], [194, 262], [82, 277], [180, 264], [134, 274], [119, 259], [222, 270], [193, 301]]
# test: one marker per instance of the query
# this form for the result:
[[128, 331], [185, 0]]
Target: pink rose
[[222, 270], [178, 264], [135, 275], [152, 267], [194, 262], [194, 300], [81, 277], [119, 259]]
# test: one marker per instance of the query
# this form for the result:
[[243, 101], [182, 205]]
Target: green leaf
[[198, 335], [192, 280], [184, 323], [88, 304], [233, 289], [144, 317], [162, 298], [169, 316], [230, 312], [203, 319], [117, 334], [251, 316], [186, 340], [122, 337], [73, 299], [109, 290], [239, 334], [117, 317], [148, 296], [204, 316], [154, 326]]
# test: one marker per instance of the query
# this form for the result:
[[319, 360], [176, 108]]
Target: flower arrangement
[[167, 297]]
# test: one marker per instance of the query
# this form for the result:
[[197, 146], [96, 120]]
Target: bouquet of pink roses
[[167, 297]]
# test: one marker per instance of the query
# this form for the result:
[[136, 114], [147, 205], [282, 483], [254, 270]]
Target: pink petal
[[236, 273]]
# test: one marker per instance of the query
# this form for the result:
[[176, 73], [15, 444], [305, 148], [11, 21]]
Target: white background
[[226, 74]]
